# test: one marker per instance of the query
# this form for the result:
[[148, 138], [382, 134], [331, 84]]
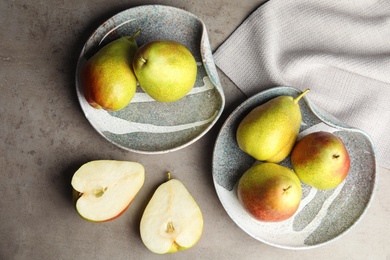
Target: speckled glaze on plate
[[147, 126], [322, 216]]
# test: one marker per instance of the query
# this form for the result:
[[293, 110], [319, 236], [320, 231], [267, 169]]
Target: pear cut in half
[[104, 189], [172, 220]]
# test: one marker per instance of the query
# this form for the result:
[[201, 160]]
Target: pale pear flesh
[[172, 220], [106, 188]]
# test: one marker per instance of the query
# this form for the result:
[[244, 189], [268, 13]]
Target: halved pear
[[172, 220], [106, 188]]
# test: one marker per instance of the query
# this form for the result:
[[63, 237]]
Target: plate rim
[[337, 124], [208, 65]]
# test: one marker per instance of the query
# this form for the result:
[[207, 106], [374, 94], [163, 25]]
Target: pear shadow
[[63, 183], [64, 179]]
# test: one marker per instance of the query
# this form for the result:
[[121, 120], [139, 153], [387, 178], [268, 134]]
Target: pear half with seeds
[[172, 220], [104, 189]]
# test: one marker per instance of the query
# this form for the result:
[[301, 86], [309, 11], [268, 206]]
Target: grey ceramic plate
[[323, 215], [147, 126]]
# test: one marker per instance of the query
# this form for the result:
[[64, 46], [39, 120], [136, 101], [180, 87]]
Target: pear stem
[[286, 189], [136, 34], [169, 175], [142, 59], [300, 96]]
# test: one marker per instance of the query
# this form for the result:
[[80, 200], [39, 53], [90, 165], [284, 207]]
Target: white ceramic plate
[[323, 215], [147, 126]]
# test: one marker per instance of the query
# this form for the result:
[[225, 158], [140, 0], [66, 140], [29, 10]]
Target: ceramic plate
[[147, 126], [323, 215]]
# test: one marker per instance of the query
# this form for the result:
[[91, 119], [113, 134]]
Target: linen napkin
[[338, 49]]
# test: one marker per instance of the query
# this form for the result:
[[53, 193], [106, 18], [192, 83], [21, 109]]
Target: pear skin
[[269, 132], [269, 192], [108, 79], [165, 70], [321, 160]]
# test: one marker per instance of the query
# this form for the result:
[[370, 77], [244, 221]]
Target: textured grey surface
[[335, 211], [147, 126], [45, 137]]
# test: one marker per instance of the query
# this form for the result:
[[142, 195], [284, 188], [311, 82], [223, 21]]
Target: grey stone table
[[45, 137]]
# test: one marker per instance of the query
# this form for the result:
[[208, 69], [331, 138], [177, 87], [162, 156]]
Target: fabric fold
[[338, 49]]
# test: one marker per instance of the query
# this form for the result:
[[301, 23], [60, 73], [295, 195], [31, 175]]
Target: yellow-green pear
[[108, 79], [166, 70], [172, 221], [269, 131]]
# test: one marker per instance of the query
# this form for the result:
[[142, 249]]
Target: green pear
[[166, 70], [321, 160], [270, 192], [108, 79], [172, 221], [269, 131]]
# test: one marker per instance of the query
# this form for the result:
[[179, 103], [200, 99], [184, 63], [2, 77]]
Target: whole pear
[[108, 79], [269, 131], [269, 192], [166, 70], [321, 160]]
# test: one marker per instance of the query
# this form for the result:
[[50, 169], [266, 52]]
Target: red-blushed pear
[[269, 192], [104, 189], [172, 220], [107, 78], [321, 160]]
